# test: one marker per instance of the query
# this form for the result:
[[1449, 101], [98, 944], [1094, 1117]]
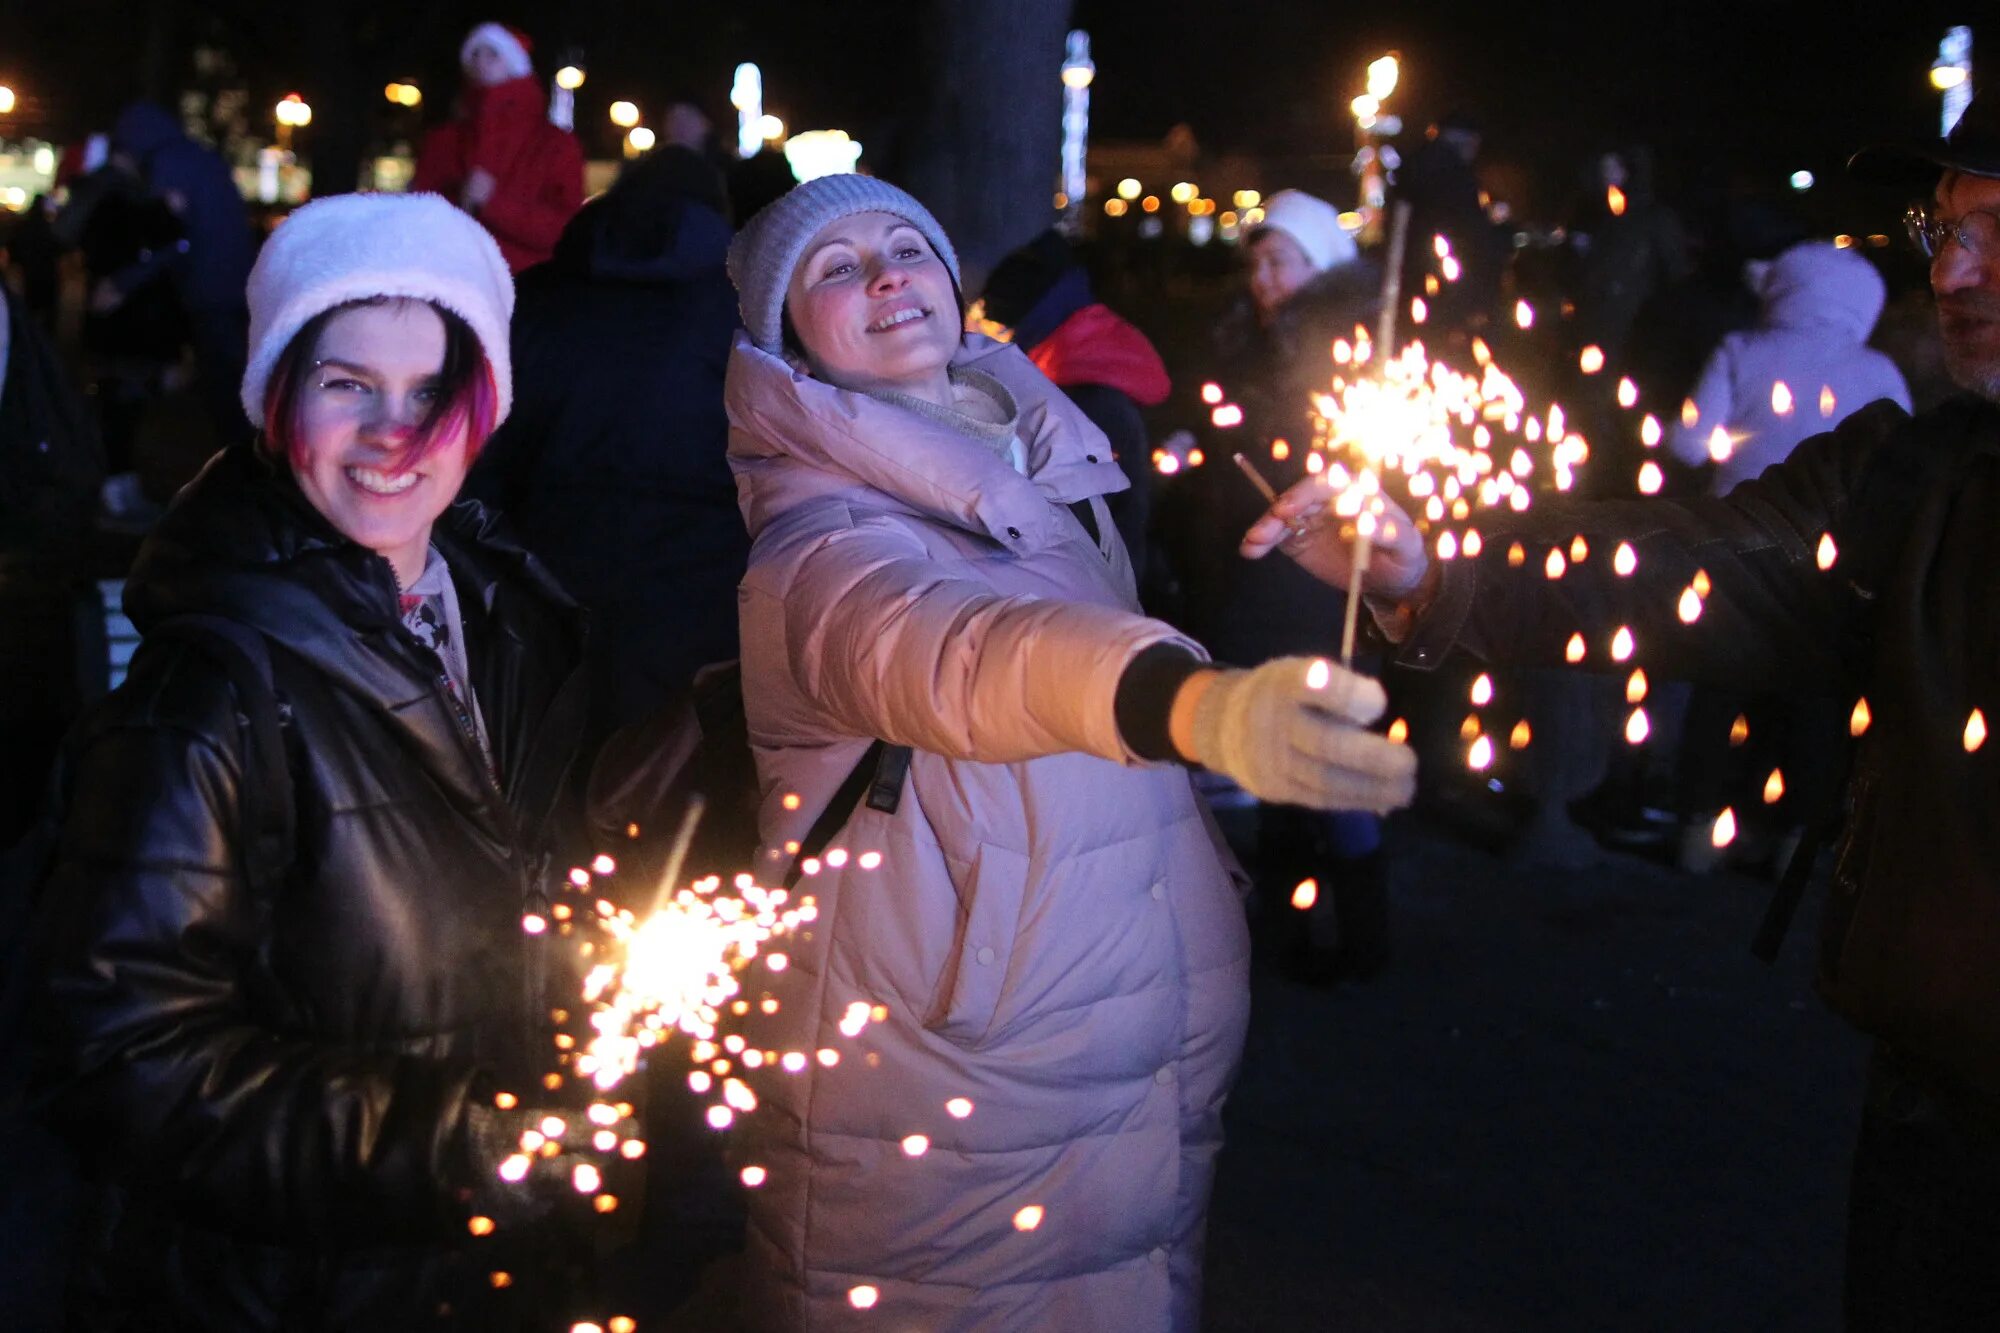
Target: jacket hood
[[1816, 285], [241, 542], [793, 437], [1096, 345], [144, 127]]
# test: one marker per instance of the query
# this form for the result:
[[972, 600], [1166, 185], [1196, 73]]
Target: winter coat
[[1820, 305], [281, 1086], [537, 168], [1907, 618], [212, 268], [1052, 927], [1109, 370], [1249, 611], [612, 466]]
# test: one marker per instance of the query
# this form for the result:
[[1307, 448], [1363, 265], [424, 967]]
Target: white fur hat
[[1314, 224], [512, 44], [350, 247]]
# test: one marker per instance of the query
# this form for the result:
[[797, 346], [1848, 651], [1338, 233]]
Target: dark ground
[[1574, 1101]]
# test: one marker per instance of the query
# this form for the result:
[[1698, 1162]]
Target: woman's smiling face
[[373, 382], [873, 306]]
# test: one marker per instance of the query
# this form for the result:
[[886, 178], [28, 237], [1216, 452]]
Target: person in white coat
[[1803, 369]]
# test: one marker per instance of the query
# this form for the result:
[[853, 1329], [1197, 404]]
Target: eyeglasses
[[1977, 231]]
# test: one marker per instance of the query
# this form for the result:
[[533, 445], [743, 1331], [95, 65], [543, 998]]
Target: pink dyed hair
[[469, 399]]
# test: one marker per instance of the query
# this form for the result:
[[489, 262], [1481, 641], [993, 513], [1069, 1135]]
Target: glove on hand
[[1292, 731]]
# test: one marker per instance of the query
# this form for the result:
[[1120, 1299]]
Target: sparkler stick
[[670, 877], [1385, 345], [1264, 488]]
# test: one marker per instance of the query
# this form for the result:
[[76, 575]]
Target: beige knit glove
[[1293, 731]]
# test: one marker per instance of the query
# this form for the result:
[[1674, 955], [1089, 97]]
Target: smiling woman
[[276, 1025], [1053, 928], [380, 406]]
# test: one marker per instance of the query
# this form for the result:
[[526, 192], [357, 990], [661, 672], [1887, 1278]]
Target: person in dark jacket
[[613, 466], [296, 1095], [1306, 285], [1864, 561], [1104, 364], [208, 264], [1441, 185]]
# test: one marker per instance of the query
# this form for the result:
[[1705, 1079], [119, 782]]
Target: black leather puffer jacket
[[279, 1085]]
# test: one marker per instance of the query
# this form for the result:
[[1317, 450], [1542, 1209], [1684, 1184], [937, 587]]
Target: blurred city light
[[624, 115], [640, 138], [1130, 189], [293, 112], [816, 153], [570, 77], [746, 94], [1802, 181], [6, 100], [1382, 75], [770, 129]]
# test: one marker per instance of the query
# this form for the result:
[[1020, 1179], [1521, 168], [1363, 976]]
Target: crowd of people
[[497, 472]]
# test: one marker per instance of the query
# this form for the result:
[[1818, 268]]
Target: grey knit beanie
[[765, 253]]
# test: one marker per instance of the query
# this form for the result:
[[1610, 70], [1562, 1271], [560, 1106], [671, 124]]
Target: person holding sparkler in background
[[1030, 1138], [278, 1027], [1306, 285], [1863, 562]]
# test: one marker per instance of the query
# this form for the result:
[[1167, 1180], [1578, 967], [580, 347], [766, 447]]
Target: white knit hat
[[350, 247], [511, 43], [765, 252], [1313, 223]]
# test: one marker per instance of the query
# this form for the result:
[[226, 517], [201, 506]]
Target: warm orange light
[[1306, 894]]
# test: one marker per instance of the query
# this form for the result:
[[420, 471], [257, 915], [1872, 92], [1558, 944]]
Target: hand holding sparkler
[[1306, 522], [1294, 731]]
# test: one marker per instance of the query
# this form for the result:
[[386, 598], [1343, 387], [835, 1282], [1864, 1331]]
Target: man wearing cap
[[1869, 562]]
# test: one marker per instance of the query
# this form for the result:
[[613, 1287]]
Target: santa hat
[[351, 247], [512, 44]]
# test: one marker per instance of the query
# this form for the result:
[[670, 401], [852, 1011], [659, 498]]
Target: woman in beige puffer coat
[[1053, 927]]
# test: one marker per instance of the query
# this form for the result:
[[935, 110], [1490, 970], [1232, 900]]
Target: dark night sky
[[1767, 85]]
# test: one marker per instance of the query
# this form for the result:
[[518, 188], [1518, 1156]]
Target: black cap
[[1025, 275], [1973, 146]]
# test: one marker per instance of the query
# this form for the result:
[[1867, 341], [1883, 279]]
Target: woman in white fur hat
[[500, 158], [285, 975]]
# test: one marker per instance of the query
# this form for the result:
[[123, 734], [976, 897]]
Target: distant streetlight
[[817, 153], [6, 100], [1951, 74], [746, 94], [1077, 73], [1382, 76], [624, 115], [569, 77], [770, 129], [404, 94], [638, 140], [1130, 189], [1802, 181], [1383, 73], [291, 113]]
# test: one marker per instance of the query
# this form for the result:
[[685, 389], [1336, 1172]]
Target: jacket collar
[[793, 436]]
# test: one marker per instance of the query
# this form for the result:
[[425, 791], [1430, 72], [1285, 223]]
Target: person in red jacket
[[1101, 361], [501, 160]]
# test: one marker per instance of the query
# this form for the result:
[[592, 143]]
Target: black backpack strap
[[1086, 514], [245, 658], [879, 776]]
